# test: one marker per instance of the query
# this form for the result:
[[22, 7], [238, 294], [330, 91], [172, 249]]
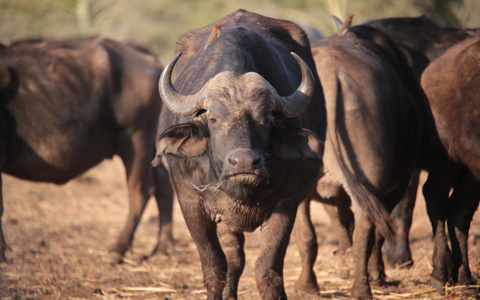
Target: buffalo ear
[[298, 145], [186, 140]]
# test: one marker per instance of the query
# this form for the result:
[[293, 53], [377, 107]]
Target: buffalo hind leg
[[436, 192], [139, 184], [342, 225], [3, 243], [341, 218], [164, 197], [337, 204], [233, 246], [398, 252], [363, 242], [308, 248], [396, 199], [462, 205], [376, 267]]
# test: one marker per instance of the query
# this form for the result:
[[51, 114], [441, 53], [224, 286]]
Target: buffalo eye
[[213, 120]]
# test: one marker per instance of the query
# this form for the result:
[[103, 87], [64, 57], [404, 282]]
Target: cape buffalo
[[374, 137], [420, 41], [452, 86], [241, 133], [66, 105]]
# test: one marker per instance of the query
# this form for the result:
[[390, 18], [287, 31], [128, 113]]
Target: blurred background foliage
[[158, 24]]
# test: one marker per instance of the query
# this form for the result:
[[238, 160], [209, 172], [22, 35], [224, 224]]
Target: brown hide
[[69, 104], [452, 85], [241, 152], [374, 132]]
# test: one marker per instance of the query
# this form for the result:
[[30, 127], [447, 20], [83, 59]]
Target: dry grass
[[60, 237]]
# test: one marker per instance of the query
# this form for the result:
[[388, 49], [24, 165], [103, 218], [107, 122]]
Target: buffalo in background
[[452, 86], [422, 42], [374, 137], [66, 105], [419, 41]]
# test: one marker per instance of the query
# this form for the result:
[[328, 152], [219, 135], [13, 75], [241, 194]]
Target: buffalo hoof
[[4, 247], [399, 255], [439, 286], [306, 288], [114, 258], [270, 285], [3, 259], [377, 278], [445, 280], [378, 282], [162, 248], [465, 278], [361, 290], [402, 262], [361, 296], [214, 287]]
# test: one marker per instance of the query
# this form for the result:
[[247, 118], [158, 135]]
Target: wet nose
[[244, 159]]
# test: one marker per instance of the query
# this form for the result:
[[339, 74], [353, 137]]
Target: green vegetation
[[159, 23]]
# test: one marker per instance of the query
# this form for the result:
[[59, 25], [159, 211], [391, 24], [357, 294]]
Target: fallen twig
[[149, 289]]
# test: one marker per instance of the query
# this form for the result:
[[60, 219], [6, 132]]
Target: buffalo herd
[[258, 122]]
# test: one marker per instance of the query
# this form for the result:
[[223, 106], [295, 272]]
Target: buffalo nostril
[[232, 159], [256, 159]]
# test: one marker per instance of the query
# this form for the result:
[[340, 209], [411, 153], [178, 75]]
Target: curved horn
[[176, 102], [293, 105]]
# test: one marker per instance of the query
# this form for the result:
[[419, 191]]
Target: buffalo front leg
[[275, 237], [204, 234], [307, 246], [232, 244], [164, 197]]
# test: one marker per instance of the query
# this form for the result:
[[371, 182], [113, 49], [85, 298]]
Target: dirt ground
[[60, 236]]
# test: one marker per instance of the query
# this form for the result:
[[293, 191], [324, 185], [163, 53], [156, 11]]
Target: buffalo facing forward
[[240, 144]]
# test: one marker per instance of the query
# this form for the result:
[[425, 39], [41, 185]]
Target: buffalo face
[[238, 125]]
